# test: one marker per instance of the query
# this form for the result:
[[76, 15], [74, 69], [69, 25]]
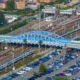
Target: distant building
[[32, 1], [32, 6], [3, 4], [46, 1], [20, 4], [54, 11]]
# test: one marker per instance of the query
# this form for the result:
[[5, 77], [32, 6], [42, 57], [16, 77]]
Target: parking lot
[[57, 64]]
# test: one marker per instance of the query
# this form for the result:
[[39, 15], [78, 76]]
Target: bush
[[23, 12], [5, 30]]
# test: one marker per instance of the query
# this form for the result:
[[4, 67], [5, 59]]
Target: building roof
[[18, 0], [3, 1]]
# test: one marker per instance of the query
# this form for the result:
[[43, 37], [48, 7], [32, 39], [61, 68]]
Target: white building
[[10, 18], [50, 18], [33, 6], [52, 10]]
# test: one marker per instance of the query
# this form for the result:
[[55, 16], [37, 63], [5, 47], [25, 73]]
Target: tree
[[40, 43], [3, 45], [42, 68], [41, 6], [10, 5], [60, 1], [2, 18], [25, 41]]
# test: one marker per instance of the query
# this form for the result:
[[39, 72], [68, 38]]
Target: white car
[[21, 72], [70, 68], [50, 56], [50, 66], [68, 74], [27, 68], [57, 67], [58, 52], [73, 57]]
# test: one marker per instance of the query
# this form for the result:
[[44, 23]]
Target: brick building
[[35, 1], [19, 4], [46, 1], [3, 4]]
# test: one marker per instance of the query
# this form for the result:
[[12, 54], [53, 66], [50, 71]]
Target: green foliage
[[60, 1], [41, 6], [63, 8], [76, 4], [42, 68], [25, 41], [2, 18], [5, 30], [3, 45], [40, 42], [50, 3], [28, 60], [10, 5], [23, 12], [60, 78]]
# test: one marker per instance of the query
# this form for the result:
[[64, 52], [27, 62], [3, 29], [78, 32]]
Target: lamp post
[[39, 16], [13, 58], [23, 52], [45, 43], [64, 48]]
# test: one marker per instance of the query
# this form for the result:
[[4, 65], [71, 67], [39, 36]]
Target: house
[[32, 6], [20, 4], [3, 4]]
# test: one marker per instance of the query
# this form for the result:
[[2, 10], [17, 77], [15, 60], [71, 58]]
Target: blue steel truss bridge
[[47, 38]]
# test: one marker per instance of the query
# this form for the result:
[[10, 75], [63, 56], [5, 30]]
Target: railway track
[[16, 58], [73, 34]]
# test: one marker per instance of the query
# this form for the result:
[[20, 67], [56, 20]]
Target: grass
[[60, 78], [21, 63], [64, 7], [27, 60]]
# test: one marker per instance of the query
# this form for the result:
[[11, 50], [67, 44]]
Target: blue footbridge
[[47, 38]]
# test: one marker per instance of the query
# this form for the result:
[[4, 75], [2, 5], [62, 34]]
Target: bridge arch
[[33, 37]]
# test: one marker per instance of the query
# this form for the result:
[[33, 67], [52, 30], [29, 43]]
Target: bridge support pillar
[[44, 14], [74, 13], [64, 50], [57, 12]]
